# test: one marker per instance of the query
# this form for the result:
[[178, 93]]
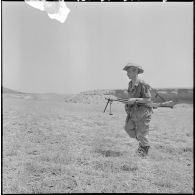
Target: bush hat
[[140, 69]]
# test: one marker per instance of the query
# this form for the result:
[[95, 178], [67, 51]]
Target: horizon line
[[88, 90]]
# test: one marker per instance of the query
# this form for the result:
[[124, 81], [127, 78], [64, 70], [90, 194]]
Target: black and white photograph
[[96, 97]]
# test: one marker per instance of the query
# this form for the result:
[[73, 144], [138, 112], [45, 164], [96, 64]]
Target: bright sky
[[96, 41]]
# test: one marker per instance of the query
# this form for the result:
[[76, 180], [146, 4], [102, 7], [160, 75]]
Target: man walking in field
[[138, 116]]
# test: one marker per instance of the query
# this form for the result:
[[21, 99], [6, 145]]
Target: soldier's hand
[[131, 100]]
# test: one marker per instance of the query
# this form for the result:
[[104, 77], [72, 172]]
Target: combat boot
[[142, 151], [146, 148]]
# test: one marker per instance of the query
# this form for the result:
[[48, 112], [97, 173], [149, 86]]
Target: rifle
[[169, 104]]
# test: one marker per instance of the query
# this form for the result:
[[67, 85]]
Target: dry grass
[[58, 147]]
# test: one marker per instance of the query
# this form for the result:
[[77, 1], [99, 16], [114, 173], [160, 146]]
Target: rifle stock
[[169, 104]]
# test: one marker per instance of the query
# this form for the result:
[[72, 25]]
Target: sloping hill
[[34, 96], [17, 94], [11, 91]]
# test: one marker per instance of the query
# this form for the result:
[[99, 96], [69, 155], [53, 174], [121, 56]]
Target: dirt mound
[[90, 97]]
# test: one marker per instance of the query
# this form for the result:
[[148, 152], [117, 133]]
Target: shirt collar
[[136, 83]]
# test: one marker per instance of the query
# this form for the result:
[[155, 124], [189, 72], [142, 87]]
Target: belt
[[139, 105]]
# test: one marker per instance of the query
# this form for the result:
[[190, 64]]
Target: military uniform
[[138, 116]]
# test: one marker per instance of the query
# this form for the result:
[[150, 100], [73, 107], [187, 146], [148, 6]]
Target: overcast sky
[[96, 41]]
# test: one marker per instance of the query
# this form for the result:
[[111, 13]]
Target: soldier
[[138, 116]]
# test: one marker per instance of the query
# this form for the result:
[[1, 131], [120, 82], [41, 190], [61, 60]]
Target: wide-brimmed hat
[[140, 69]]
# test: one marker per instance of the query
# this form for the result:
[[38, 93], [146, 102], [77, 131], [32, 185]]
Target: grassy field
[[56, 147]]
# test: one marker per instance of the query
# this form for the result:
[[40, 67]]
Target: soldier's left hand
[[131, 100]]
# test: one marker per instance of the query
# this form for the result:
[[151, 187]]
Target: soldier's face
[[132, 72]]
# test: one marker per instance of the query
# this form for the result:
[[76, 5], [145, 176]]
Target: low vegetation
[[53, 146]]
